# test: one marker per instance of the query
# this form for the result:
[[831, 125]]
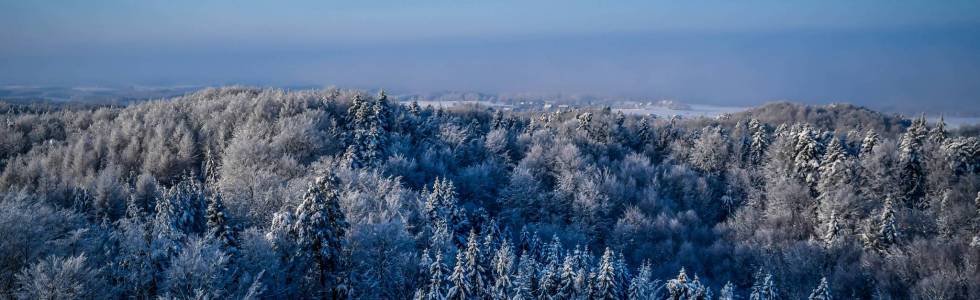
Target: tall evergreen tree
[[764, 288], [441, 206], [938, 134], [760, 141], [822, 292], [976, 221], [605, 286], [641, 288], [681, 288], [886, 231], [834, 169], [368, 123], [475, 272], [319, 232], [217, 221], [566, 280], [437, 290], [806, 161], [835, 178], [869, 143], [911, 168], [182, 210], [460, 287], [727, 292], [503, 268]]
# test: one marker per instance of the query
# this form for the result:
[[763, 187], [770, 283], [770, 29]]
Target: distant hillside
[[837, 117]]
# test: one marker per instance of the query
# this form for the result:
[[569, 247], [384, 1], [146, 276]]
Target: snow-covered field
[[447, 104], [694, 110]]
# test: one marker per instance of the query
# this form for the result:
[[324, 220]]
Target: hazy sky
[[902, 54]]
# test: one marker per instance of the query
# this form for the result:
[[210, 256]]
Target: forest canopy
[[249, 193]]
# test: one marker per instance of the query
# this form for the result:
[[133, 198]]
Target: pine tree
[[459, 283], [832, 230], [425, 261], [414, 108], [760, 141], [678, 287], [943, 223], [441, 206], [503, 267], [319, 232], [622, 274], [523, 289], [218, 223], [182, 210], [697, 291], [727, 292], [976, 221], [835, 176], [640, 287], [549, 281], [474, 267], [938, 133], [566, 280], [834, 169], [764, 288], [368, 123], [524, 282], [437, 290], [605, 286], [886, 233], [806, 161], [822, 292], [869, 143], [911, 169]]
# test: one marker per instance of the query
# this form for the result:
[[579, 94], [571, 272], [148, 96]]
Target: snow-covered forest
[[246, 193]]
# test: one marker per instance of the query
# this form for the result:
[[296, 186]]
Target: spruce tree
[[182, 210], [503, 268], [976, 221], [459, 288], [760, 141], [566, 280], [869, 143], [677, 288], [727, 292], [834, 169], [911, 168], [474, 267], [640, 287], [437, 269], [943, 223], [886, 233], [697, 291], [806, 160], [525, 286], [368, 122], [764, 288], [938, 132], [441, 206], [835, 176], [822, 292], [319, 232], [605, 286], [217, 221]]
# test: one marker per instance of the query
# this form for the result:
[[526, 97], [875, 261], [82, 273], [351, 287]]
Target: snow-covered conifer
[[822, 292], [319, 230]]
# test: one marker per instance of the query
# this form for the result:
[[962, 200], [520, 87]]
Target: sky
[[897, 54]]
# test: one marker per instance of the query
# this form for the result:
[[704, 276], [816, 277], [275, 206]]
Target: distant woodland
[[248, 193]]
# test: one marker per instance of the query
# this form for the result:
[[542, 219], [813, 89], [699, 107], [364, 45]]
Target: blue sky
[[879, 53]]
